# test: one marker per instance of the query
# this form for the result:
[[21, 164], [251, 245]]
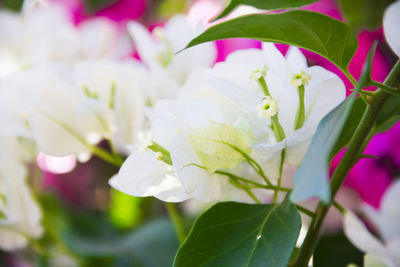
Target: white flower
[[384, 250], [116, 86], [157, 50], [323, 91], [93, 39], [143, 174], [391, 22], [20, 215]]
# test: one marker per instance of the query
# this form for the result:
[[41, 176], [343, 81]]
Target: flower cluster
[[226, 122]]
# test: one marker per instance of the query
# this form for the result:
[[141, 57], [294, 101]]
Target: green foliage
[[364, 14], [264, 4], [125, 210], [238, 234], [313, 31], [14, 5], [311, 179], [344, 252], [93, 238], [92, 6]]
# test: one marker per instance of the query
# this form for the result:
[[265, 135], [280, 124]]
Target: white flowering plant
[[251, 137]]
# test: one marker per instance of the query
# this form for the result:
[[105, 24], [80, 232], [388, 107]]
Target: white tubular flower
[[45, 110], [385, 251], [170, 71], [93, 39], [117, 109], [144, 174], [268, 108], [20, 216], [391, 22], [324, 92]]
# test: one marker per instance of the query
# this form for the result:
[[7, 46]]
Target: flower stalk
[[354, 150]]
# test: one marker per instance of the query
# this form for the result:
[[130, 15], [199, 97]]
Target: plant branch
[[354, 150], [176, 220]]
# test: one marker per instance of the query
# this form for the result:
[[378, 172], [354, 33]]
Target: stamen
[[268, 108], [300, 78], [259, 73]]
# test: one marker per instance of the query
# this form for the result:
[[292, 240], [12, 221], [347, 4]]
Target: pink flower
[[120, 11]]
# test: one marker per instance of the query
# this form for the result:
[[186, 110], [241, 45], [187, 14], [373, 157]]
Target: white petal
[[171, 117], [200, 184], [324, 92], [296, 60], [97, 37], [391, 22], [143, 175], [390, 213], [49, 116], [146, 46], [297, 145], [359, 235]]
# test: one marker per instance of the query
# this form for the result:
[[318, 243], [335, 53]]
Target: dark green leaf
[[345, 252], [14, 5], [313, 31], [311, 179], [354, 117], [264, 4], [364, 13], [237, 234], [151, 245], [92, 6]]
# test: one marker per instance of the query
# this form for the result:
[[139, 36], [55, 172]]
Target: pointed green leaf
[[313, 31], [311, 179], [264, 4], [238, 234]]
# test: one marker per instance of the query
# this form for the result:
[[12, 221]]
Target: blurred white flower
[[20, 216], [391, 22], [96, 38], [386, 248], [157, 50]]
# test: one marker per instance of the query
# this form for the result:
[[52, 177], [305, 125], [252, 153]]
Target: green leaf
[[365, 14], [313, 31], [352, 121], [93, 6], [263, 4], [345, 252], [238, 234], [14, 5], [311, 179], [152, 245]]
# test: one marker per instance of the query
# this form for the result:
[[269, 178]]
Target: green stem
[[277, 128], [300, 113], [176, 220], [280, 174], [384, 87], [305, 211], [275, 125], [264, 86], [355, 148]]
